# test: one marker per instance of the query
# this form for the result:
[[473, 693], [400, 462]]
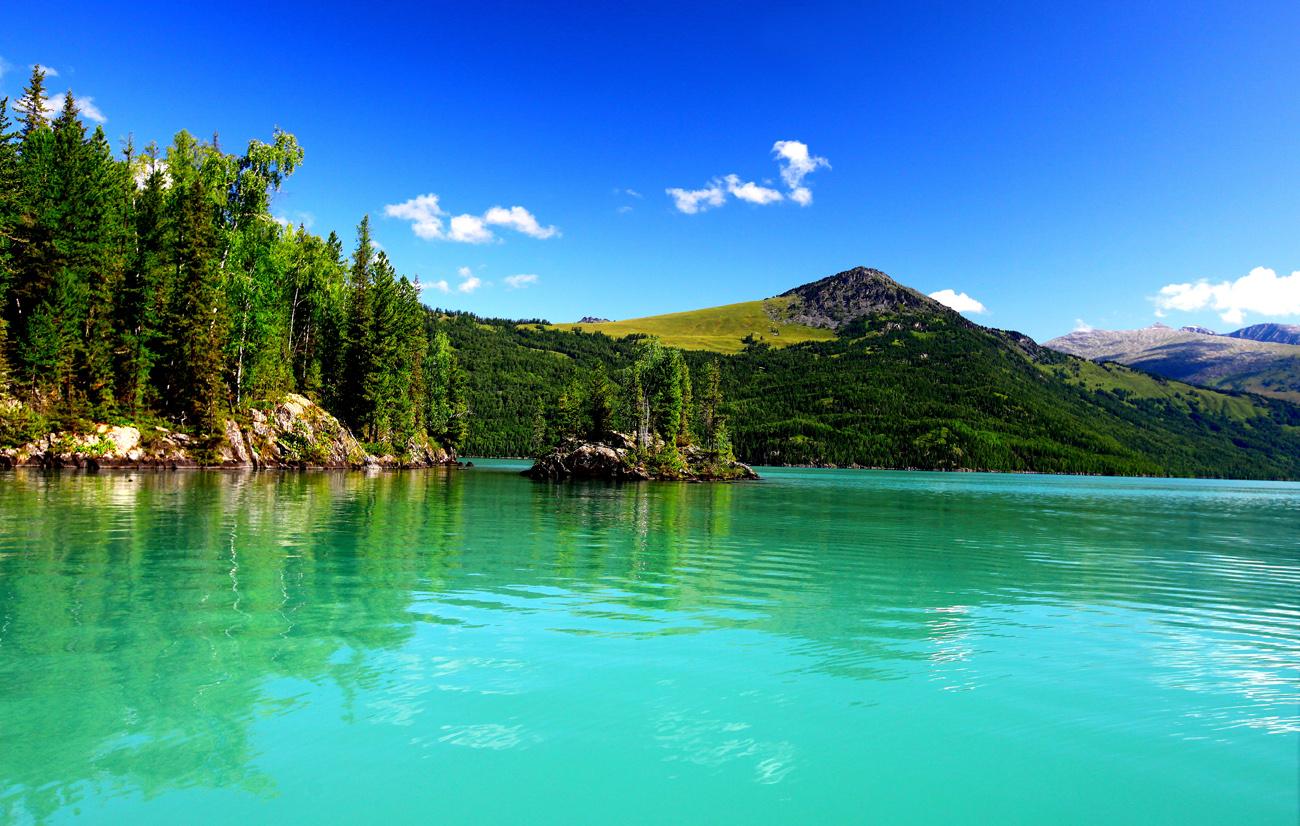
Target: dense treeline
[[158, 284], [917, 390]]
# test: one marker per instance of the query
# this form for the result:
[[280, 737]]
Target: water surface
[[474, 647]]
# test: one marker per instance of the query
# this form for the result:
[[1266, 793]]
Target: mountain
[[885, 377], [1278, 333], [811, 312], [1230, 362]]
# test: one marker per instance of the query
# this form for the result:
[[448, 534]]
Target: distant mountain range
[[1262, 358], [1277, 333], [856, 369]]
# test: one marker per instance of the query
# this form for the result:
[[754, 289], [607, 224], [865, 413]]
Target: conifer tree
[[355, 366], [145, 296], [438, 368], [197, 322], [32, 104]]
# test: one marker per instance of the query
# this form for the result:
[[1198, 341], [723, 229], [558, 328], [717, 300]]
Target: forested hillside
[[154, 284], [916, 387]]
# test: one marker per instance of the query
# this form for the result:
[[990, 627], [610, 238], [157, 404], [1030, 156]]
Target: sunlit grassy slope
[[716, 329], [1112, 377]]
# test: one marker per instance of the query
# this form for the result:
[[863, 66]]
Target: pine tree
[[32, 104], [197, 322], [145, 297], [712, 422], [356, 365], [10, 181]]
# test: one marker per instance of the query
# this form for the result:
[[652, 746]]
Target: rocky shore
[[292, 433], [613, 457]]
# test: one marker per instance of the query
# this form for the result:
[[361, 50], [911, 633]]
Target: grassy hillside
[[715, 329]]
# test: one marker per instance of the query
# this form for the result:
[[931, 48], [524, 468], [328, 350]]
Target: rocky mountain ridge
[[1231, 362], [839, 299]]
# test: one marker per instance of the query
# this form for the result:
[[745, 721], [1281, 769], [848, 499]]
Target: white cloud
[[629, 192], [796, 163], [5, 66], [86, 107], [517, 282], [469, 282], [469, 229], [692, 201], [1261, 291], [1081, 326], [423, 212], [751, 192], [50, 71], [519, 219], [960, 302], [426, 216], [440, 285]]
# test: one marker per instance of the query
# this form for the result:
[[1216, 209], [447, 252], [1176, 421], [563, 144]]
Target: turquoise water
[[474, 647]]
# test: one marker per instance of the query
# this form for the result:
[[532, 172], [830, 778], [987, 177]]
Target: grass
[[1112, 377], [715, 329]]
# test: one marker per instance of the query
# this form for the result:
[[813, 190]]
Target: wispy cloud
[[795, 163], [1081, 326], [1261, 291], [469, 282], [518, 282], [751, 192], [431, 222], [49, 71], [440, 285], [961, 302], [692, 201]]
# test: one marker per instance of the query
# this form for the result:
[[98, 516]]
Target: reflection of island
[[144, 618]]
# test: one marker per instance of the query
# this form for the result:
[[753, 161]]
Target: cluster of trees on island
[[652, 399], [157, 284]]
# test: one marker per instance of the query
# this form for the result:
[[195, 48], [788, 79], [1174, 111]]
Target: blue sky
[[1055, 162]]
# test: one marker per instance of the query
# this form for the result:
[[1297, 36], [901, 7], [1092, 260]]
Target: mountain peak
[[1275, 333], [837, 299]]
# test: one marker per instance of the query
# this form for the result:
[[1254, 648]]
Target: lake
[[470, 646]]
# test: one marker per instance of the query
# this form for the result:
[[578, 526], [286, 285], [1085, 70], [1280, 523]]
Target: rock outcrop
[[844, 297], [613, 458], [293, 432]]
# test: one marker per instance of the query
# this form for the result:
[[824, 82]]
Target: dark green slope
[[934, 391], [919, 387]]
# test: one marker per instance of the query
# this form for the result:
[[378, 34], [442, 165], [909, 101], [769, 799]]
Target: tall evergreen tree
[[197, 322], [32, 104], [356, 365]]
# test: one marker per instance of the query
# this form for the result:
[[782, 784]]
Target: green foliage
[[160, 283], [20, 424], [921, 391]]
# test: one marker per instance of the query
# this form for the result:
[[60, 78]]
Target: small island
[[652, 399]]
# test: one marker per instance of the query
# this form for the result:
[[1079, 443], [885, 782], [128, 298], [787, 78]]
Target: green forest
[[914, 389], [154, 284]]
